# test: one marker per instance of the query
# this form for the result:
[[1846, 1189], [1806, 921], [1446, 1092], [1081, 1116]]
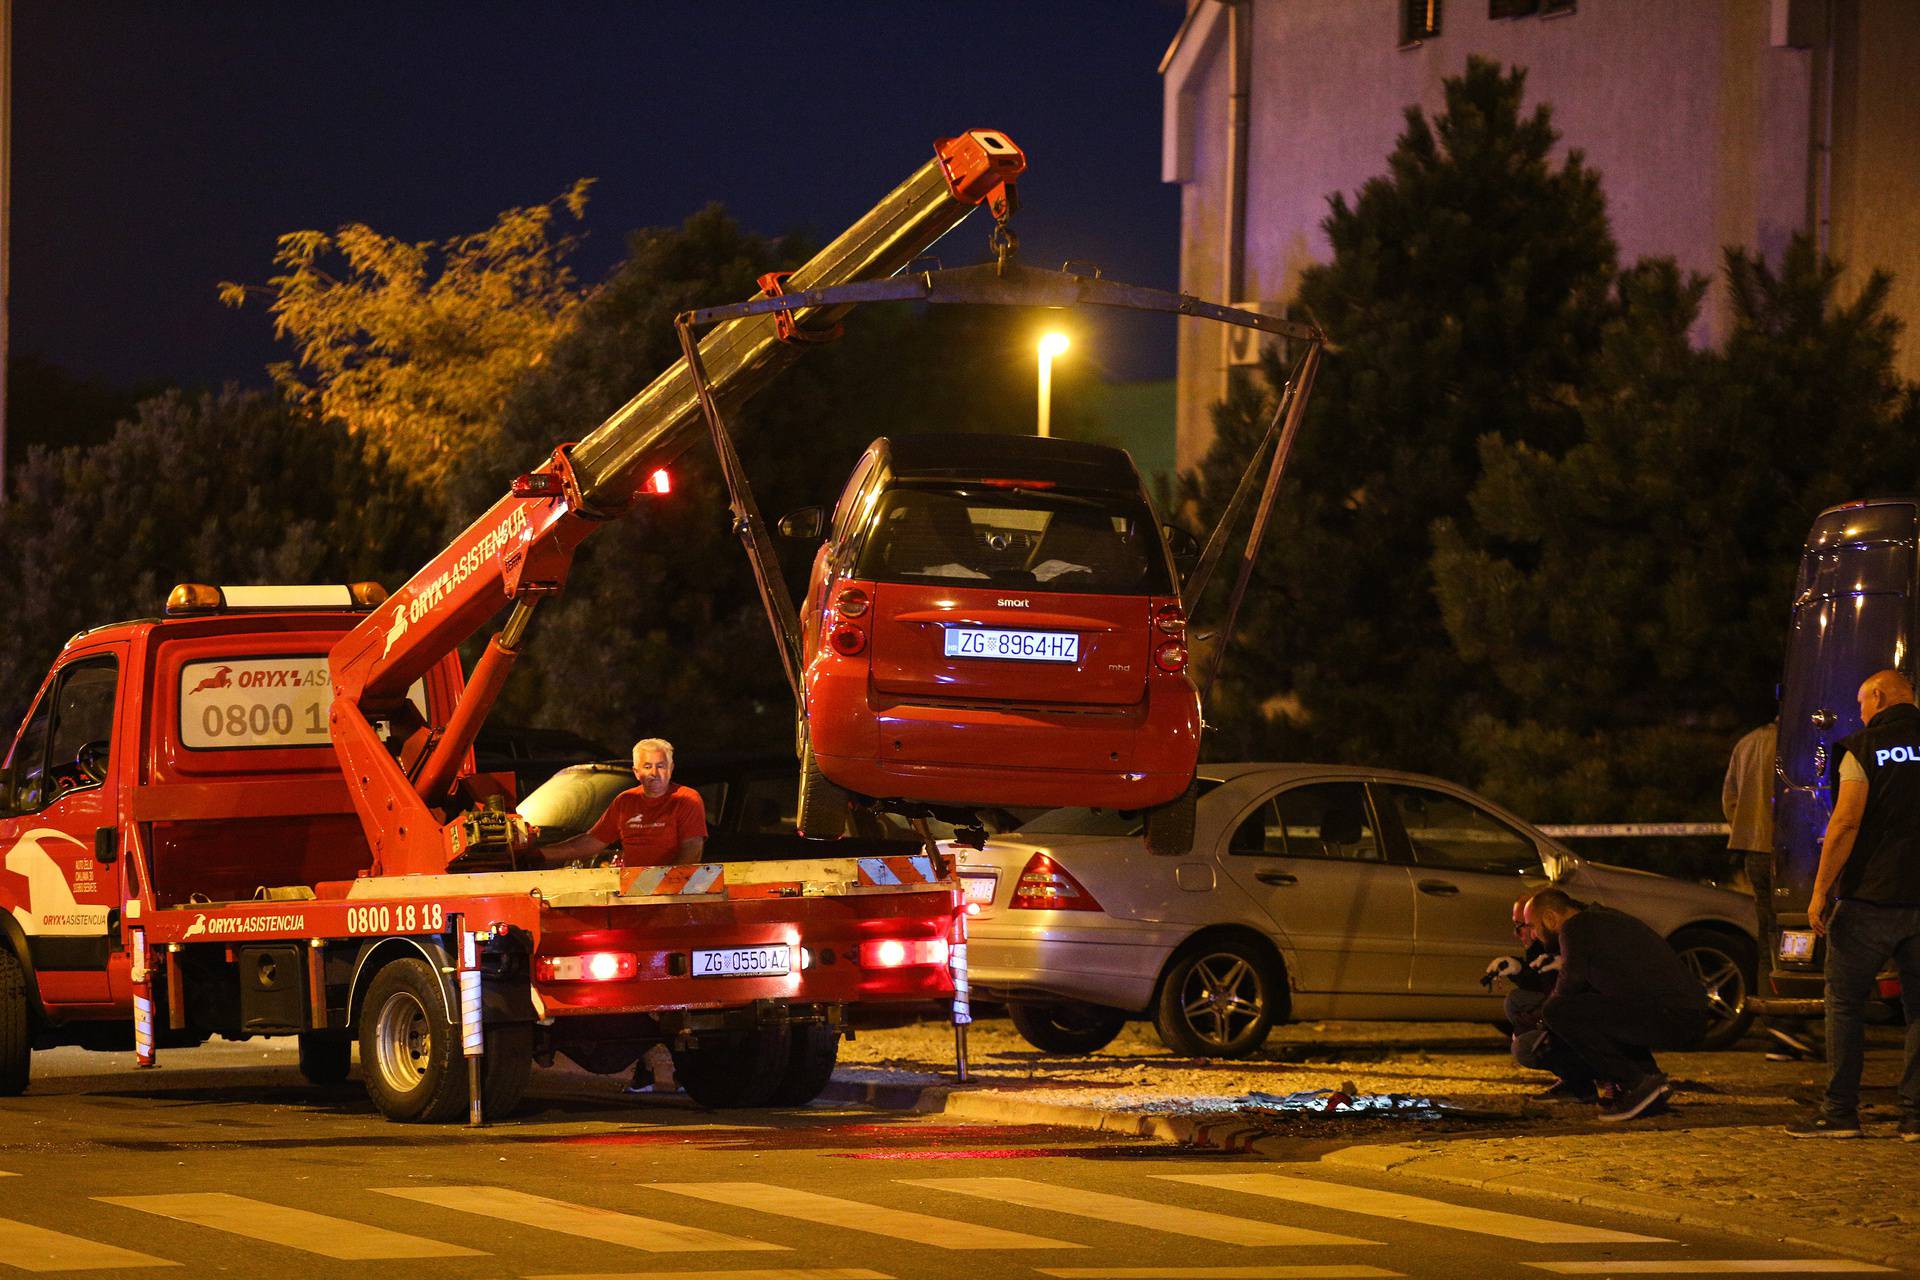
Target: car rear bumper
[[1068, 965]]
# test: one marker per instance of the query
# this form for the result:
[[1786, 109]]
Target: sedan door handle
[[1439, 888], [1276, 877]]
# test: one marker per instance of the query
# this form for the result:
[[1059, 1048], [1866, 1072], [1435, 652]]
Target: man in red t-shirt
[[655, 824]]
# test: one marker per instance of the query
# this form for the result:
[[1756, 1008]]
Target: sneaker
[[1822, 1125], [1910, 1129], [1636, 1098], [1570, 1091]]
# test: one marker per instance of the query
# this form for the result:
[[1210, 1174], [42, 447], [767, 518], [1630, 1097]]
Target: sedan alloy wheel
[[1218, 1001]]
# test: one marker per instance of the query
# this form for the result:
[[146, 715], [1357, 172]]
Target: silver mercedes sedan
[[1312, 892]]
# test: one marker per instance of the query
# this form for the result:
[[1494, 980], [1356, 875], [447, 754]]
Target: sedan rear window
[[1033, 539]]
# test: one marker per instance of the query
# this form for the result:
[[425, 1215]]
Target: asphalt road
[[224, 1161]]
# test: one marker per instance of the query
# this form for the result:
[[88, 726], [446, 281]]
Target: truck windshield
[[963, 535]]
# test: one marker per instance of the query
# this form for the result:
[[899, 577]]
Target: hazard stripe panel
[[586, 1221], [291, 1228], [1405, 1208], [1199, 1223], [893, 870], [776, 1273], [38, 1249], [702, 877], [852, 1215], [1713, 1267]]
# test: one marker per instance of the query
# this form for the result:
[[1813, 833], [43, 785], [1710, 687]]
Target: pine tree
[[1465, 296]]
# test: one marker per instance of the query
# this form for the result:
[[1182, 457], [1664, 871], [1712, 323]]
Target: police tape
[[1578, 830]]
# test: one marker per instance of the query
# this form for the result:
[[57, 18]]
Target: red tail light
[[1171, 656], [851, 602], [1171, 620], [901, 953], [593, 966], [660, 481], [848, 640], [1046, 886]]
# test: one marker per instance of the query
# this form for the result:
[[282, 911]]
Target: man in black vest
[[1866, 900]]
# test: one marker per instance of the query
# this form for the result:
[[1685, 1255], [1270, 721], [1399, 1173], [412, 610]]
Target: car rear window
[[963, 535]]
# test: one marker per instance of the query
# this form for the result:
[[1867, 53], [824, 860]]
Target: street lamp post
[[1051, 345]]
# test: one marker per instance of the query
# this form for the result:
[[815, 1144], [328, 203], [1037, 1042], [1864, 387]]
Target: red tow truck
[[258, 814]]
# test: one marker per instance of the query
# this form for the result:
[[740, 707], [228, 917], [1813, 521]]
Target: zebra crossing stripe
[[1199, 1223], [852, 1215], [606, 1225], [38, 1249], [1405, 1208], [291, 1228]]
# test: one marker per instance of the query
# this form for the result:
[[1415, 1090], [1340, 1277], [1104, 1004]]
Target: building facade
[[1711, 122]]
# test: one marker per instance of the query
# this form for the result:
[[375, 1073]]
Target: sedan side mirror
[[803, 525]]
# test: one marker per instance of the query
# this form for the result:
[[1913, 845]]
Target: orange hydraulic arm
[[520, 550]]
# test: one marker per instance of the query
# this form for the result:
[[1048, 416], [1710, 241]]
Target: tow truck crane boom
[[519, 551]]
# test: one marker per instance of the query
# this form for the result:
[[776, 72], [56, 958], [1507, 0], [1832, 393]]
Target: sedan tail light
[[1046, 886]]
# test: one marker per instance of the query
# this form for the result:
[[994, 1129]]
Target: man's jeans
[[1861, 938]]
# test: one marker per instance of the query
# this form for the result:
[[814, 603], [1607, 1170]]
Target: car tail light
[[1046, 886], [851, 602], [1171, 656], [1171, 620], [592, 966], [848, 640], [901, 953]]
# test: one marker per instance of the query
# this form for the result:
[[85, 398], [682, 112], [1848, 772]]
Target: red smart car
[[994, 621]]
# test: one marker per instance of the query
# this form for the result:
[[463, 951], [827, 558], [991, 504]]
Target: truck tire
[[743, 1070], [326, 1057], [410, 1059], [823, 806], [16, 1026], [1067, 1027], [813, 1050], [1170, 825]]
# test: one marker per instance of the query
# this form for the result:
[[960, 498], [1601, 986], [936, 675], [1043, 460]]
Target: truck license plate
[[743, 962], [1025, 646], [1796, 944]]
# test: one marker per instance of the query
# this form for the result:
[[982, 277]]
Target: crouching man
[[1621, 994]]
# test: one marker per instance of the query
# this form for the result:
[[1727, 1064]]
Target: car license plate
[[743, 962], [1023, 646], [978, 886], [1796, 944]]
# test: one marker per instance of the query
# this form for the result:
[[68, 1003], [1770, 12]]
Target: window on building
[[1512, 8], [1419, 20]]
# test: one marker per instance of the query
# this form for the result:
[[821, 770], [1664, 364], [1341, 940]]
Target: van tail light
[[851, 602], [903, 953], [1171, 656], [592, 966], [848, 640], [1046, 886]]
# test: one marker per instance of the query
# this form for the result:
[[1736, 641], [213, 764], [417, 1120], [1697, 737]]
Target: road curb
[[1396, 1159]]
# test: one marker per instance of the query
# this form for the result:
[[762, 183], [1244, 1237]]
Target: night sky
[[162, 147]]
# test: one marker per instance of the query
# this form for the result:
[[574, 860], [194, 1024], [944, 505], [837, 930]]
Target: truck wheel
[[16, 1044], [823, 806], [723, 1072], [408, 1048], [326, 1056], [1066, 1026], [1170, 825], [813, 1050]]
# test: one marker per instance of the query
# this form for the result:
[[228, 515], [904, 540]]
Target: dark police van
[[1853, 614]]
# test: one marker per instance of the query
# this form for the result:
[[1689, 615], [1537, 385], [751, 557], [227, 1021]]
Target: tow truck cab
[[202, 737]]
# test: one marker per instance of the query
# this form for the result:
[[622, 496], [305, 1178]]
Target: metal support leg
[[142, 975], [473, 1033]]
